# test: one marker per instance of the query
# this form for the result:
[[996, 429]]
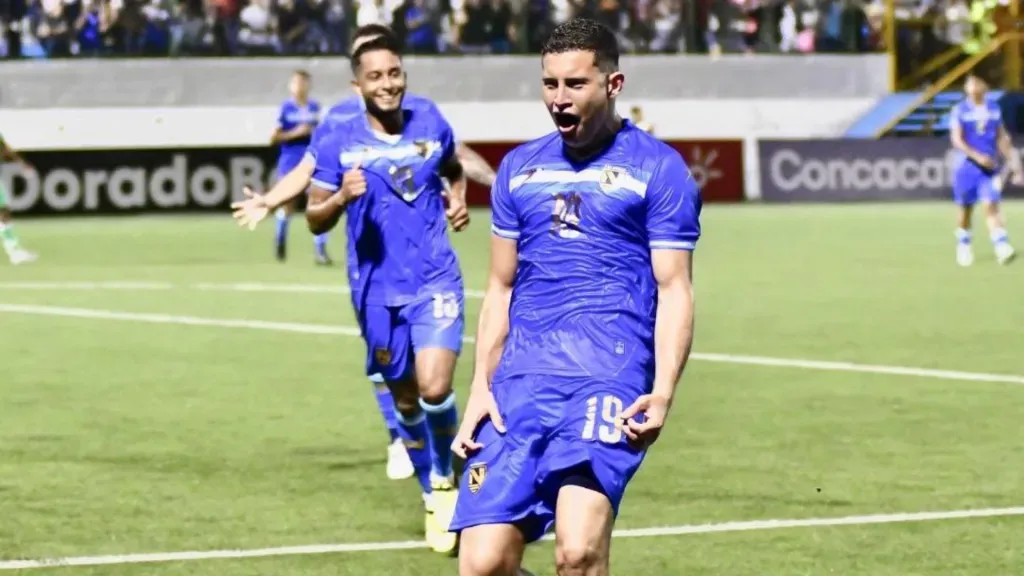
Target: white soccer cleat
[[22, 257], [399, 464], [1005, 253], [964, 255]]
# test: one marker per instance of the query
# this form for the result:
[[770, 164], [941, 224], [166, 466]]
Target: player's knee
[[578, 558], [486, 561], [406, 399]]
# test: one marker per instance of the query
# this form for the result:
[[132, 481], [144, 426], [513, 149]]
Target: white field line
[[204, 286], [689, 529], [302, 328]]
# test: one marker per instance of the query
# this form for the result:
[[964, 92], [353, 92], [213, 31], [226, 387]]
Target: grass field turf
[[121, 437]]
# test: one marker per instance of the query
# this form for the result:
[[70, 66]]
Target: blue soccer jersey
[[580, 346], [355, 106], [979, 126], [399, 250], [585, 294], [292, 115]]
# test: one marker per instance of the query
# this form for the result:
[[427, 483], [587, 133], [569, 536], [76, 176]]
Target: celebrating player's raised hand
[[251, 211], [642, 434], [457, 212], [353, 183], [481, 405]]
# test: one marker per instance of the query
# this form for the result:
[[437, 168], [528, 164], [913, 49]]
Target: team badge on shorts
[[382, 356], [477, 475]]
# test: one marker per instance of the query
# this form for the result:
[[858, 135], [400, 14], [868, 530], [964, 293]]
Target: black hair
[[389, 43], [302, 73], [585, 35], [372, 31]]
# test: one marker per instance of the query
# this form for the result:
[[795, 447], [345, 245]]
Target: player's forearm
[[291, 186], [476, 168], [458, 189], [492, 330], [323, 214], [673, 335]]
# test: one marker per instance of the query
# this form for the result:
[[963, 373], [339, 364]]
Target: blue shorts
[[394, 334], [972, 183], [559, 430]]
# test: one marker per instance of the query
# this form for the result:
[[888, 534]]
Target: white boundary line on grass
[[688, 529], [301, 328], [204, 286]]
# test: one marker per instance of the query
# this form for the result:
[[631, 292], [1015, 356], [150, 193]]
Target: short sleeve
[[504, 221], [320, 134], [673, 206], [282, 115], [954, 115], [316, 109], [327, 174]]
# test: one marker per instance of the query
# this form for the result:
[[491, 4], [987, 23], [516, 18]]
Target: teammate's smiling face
[[380, 80], [579, 95]]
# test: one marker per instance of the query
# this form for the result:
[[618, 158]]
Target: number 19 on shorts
[[610, 408]]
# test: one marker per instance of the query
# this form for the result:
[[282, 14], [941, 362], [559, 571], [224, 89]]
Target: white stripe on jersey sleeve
[[510, 234], [672, 245], [324, 185]]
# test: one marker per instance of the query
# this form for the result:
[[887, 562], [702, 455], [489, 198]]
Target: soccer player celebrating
[[586, 323], [977, 132], [384, 169], [251, 211], [15, 253], [296, 121]]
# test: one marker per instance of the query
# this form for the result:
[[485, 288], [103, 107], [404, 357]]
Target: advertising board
[[207, 179]]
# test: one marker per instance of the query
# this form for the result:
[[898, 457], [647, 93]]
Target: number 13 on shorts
[[610, 407], [446, 306]]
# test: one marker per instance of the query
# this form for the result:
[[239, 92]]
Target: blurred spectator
[[88, 28]]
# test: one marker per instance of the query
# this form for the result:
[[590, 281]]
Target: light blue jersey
[[979, 126], [580, 345], [291, 115]]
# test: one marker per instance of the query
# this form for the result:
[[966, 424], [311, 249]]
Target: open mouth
[[566, 123]]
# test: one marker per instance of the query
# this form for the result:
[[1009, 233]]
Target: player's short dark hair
[[302, 73], [389, 43], [372, 31], [585, 35]]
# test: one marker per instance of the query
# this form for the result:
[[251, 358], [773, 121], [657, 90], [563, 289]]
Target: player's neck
[[388, 123], [301, 100], [604, 137], [977, 100]]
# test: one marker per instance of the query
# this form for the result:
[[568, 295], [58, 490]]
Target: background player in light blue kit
[[296, 121], [384, 169], [977, 131], [586, 324]]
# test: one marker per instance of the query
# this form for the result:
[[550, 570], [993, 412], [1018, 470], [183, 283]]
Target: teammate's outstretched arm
[[251, 211], [492, 329], [477, 169]]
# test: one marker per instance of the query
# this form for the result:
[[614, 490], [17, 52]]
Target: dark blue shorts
[[559, 429]]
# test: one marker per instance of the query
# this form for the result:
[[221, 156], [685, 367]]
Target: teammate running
[[384, 168], [251, 211], [586, 323], [15, 253], [636, 114], [977, 132], [296, 121]]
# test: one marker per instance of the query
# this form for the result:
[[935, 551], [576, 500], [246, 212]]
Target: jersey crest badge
[[382, 356], [609, 178], [477, 475]]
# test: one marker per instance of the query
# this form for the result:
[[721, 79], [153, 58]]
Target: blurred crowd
[[65, 28]]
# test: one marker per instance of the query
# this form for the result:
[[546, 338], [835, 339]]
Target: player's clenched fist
[[353, 183], [642, 434], [481, 405]]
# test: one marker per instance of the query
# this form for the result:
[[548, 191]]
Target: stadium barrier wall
[[207, 179], [853, 170]]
